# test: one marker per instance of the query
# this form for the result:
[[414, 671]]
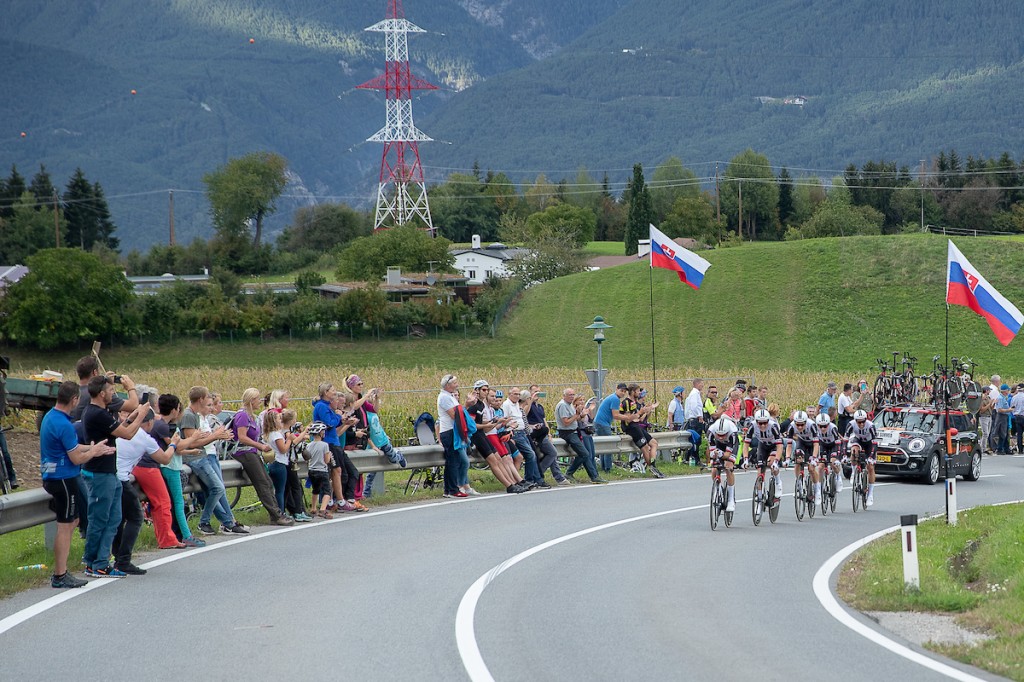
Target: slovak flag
[[665, 253], [966, 286]]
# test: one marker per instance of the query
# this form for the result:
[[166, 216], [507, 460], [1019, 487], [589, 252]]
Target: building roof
[[9, 274], [497, 251]]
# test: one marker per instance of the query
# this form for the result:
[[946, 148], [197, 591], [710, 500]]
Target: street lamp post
[[599, 326]]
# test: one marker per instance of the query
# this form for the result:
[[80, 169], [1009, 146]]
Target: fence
[[31, 507], [965, 232]]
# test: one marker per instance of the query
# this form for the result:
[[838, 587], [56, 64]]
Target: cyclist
[[829, 439], [768, 452], [860, 437], [722, 447], [802, 447]]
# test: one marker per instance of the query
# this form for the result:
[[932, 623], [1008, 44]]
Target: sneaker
[[521, 487], [571, 478], [67, 580], [563, 483], [528, 485], [598, 480], [654, 470], [544, 485], [194, 542], [871, 500], [237, 529], [344, 507], [14, 486], [514, 488], [401, 459], [130, 569], [284, 521], [459, 494], [358, 506], [472, 492], [447, 495], [206, 529], [303, 517], [108, 572]]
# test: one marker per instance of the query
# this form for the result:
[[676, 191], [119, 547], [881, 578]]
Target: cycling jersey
[[806, 438], [770, 435], [724, 448], [830, 436], [862, 435]]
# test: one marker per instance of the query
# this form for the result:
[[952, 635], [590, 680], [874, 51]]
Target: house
[[147, 285], [478, 263], [9, 274], [400, 288]]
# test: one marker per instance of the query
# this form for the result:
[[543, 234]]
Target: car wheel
[[930, 475], [974, 473]]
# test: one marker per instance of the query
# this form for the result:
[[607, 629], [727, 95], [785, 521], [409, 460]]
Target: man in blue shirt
[[608, 412], [827, 401], [1001, 421], [60, 455]]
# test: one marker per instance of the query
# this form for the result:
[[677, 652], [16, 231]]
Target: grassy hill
[[822, 304]]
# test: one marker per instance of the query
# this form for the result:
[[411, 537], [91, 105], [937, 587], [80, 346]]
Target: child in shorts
[[318, 456]]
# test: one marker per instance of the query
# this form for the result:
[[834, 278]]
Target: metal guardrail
[[32, 507]]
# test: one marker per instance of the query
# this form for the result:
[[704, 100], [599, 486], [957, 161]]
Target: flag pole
[[948, 439], [654, 364]]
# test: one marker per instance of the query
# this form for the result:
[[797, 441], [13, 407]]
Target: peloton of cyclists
[[829, 440], [764, 444], [723, 445], [802, 439], [860, 439]]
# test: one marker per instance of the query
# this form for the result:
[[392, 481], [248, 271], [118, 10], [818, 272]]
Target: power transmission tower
[[402, 192]]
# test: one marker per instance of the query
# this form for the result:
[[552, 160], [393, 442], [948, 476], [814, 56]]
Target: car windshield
[[907, 421]]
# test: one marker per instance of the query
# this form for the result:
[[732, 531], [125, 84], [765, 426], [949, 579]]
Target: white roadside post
[[951, 500], [908, 538]]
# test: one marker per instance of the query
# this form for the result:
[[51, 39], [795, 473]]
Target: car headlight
[[916, 444]]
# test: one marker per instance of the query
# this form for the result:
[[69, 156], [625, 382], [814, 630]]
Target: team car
[[910, 443]]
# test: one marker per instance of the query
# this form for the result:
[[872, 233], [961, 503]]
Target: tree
[[551, 255], [838, 217], [42, 189], [573, 224], [245, 190], [460, 208], [25, 232], [785, 196], [11, 190], [323, 228], [751, 174], [68, 296], [640, 215], [670, 182], [87, 215], [691, 217], [367, 259], [540, 194]]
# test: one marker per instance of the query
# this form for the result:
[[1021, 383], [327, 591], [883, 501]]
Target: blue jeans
[[104, 519], [208, 473], [584, 457], [602, 430], [451, 474], [279, 477], [462, 460], [223, 505], [522, 442]]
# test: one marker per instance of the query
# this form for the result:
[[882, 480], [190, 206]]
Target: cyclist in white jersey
[[802, 436], [723, 445], [768, 453], [829, 440], [860, 438]]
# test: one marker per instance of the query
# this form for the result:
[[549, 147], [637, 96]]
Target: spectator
[[60, 459], [827, 401], [89, 367], [733, 406], [750, 400], [1017, 407], [465, 429], [762, 397], [246, 431], [203, 429], [585, 426], [317, 453], [676, 419], [517, 425], [633, 417], [500, 460], [169, 410], [281, 439], [997, 381], [607, 412], [711, 406], [693, 411], [568, 417], [104, 487], [217, 410], [344, 475], [365, 411], [540, 434], [129, 454], [12, 475], [863, 397], [985, 418], [846, 405], [1000, 422], [447, 411]]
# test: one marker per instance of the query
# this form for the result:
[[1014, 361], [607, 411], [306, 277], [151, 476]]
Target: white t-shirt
[[511, 409], [694, 406], [279, 456], [129, 452], [445, 402], [842, 403]]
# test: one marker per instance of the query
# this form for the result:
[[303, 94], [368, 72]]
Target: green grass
[[605, 248], [974, 569]]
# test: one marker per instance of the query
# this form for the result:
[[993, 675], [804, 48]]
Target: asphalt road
[[375, 596]]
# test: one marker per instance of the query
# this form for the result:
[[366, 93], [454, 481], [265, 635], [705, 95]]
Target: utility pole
[[739, 217], [718, 206], [171, 216], [920, 181], [56, 220]]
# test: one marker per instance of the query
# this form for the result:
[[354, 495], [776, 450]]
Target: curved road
[[375, 596]]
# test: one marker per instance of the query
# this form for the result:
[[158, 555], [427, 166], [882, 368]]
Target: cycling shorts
[[764, 451], [715, 455], [867, 451], [802, 449], [638, 434], [827, 451]]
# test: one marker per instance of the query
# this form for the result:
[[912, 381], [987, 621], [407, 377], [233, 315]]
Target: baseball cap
[[479, 383], [677, 390], [986, 389], [1004, 387], [622, 386], [499, 394]]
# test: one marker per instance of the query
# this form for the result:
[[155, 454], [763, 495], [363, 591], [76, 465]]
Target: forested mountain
[[526, 86]]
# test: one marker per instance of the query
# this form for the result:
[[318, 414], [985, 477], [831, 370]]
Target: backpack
[[226, 449]]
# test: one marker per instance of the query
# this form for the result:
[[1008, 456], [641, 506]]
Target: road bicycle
[[859, 484], [828, 488], [763, 498], [803, 493], [719, 497]]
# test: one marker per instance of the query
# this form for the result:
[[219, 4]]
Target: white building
[[480, 263]]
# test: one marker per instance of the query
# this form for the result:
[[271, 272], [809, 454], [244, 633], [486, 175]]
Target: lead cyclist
[[861, 435]]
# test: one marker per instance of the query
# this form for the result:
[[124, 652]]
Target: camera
[[117, 378]]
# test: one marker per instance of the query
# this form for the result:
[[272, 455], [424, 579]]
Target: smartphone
[[542, 394]]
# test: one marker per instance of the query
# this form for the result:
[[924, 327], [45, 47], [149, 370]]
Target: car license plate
[[890, 437], [886, 459]]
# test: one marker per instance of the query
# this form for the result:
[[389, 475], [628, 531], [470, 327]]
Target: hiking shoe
[[238, 529], [130, 569], [528, 485], [206, 529], [194, 542], [284, 521], [303, 517], [107, 572], [513, 489], [67, 580], [544, 485]]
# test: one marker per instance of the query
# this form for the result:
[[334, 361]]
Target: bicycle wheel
[[799, 499], [864, 490], [826, 487], [234, 495], [881, 390], [811, 502], [416, 480], [716, 502], [728, 514], [773, 509], [757, 501], [854, 484]]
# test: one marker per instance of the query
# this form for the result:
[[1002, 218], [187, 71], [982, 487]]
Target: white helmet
[[721, 427], [762, 415], [799, 417], [860, 415], [822, 420]]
